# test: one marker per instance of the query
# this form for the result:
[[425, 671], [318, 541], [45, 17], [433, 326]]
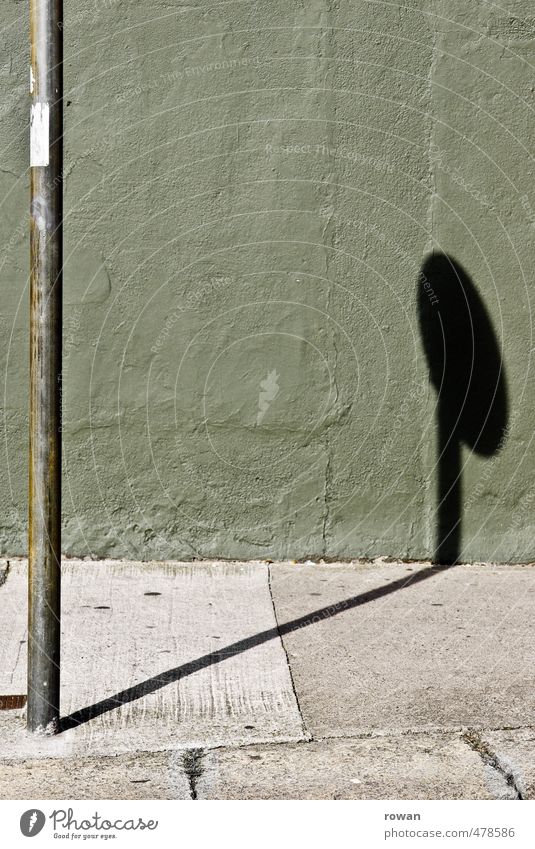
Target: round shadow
[[463, 354]]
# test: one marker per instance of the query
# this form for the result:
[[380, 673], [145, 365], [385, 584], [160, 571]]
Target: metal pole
[[46, 161]]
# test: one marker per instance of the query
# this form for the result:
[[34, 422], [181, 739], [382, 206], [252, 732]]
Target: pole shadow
[[177, 673], [466, 369]]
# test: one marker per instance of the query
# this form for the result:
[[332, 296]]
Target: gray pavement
[[421, 766], [139, 775], [386, 651], [249, 680]]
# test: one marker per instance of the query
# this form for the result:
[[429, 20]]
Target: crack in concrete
[[374, 734], [492, 759], [307, 736], [194, 767], [17, 659], [192, 761]]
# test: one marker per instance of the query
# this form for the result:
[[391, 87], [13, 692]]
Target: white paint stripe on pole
[[39, 138]]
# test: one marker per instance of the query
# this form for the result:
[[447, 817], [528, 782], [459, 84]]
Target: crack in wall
[[325, 51], [430, 135], [492, 759], [429, 509], [326, 484]]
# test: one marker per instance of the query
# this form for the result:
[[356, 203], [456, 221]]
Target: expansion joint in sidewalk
[[192, 761], [504, 770], [306, 734]]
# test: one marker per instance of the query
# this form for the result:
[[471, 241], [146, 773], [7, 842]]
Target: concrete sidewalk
[[249, 680]]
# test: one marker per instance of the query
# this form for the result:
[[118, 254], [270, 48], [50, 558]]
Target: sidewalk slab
[[451, 649], [142, 775], [170, 641], [412, 767]]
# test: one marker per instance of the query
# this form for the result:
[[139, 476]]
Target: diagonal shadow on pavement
[[151, 685]]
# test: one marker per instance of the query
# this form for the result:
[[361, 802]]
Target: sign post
[[44, 549]]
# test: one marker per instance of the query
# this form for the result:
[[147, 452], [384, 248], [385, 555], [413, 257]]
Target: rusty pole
[[46, 167]]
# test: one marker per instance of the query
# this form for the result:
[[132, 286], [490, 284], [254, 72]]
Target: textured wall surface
[[251, 189]]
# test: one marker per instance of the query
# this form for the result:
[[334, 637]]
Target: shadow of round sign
[[466, 369], [463, 354], [32, 822]]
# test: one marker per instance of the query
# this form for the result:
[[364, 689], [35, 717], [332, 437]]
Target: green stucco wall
[[251, 189]]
